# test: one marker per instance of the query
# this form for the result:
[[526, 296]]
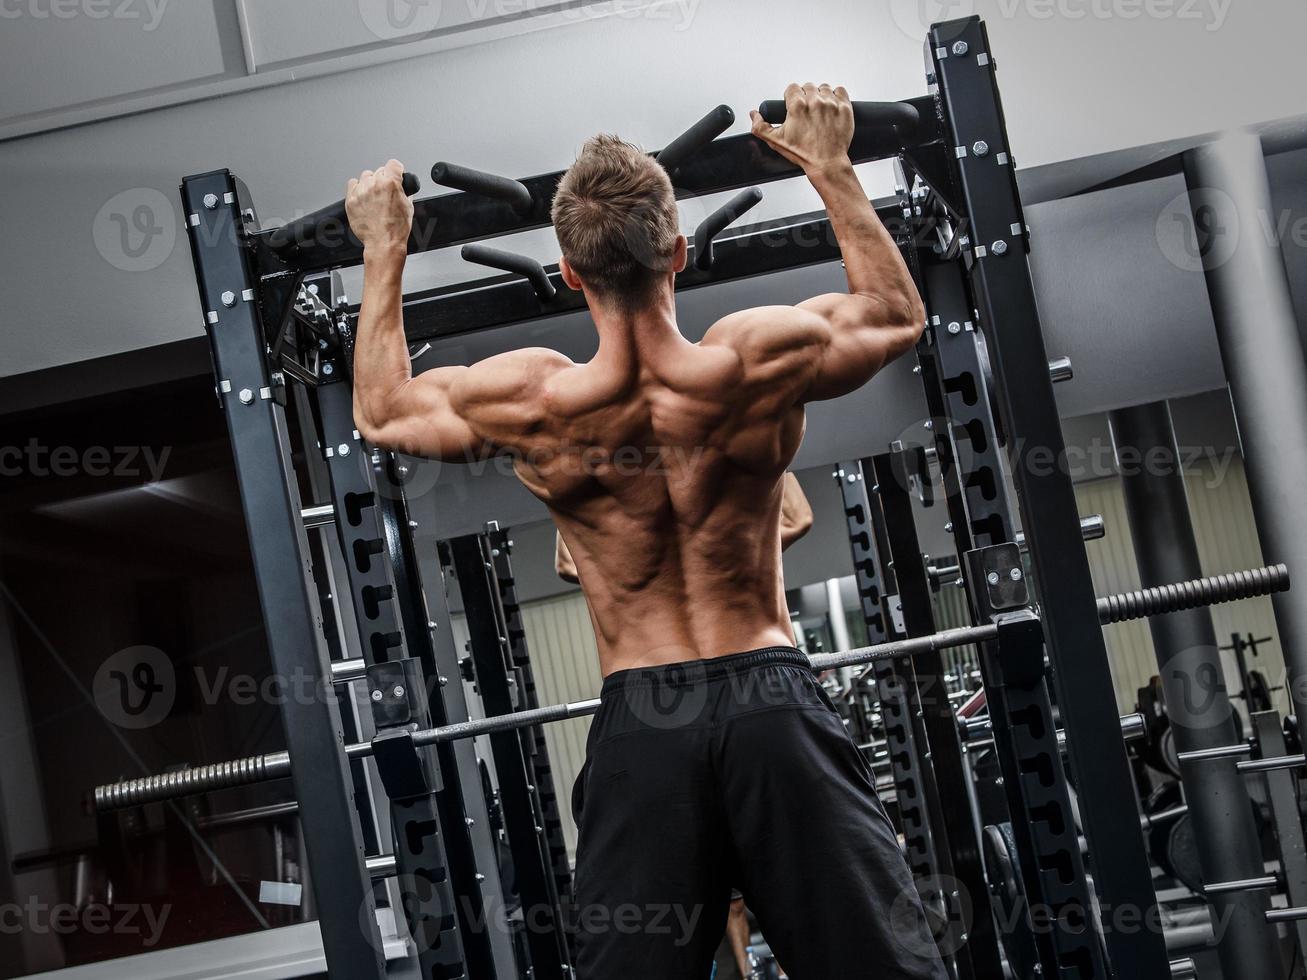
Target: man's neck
[[643, 332]]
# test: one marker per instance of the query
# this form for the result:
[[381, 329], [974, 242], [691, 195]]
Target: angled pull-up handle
[[901, 116], [696, 138], [328, 221], [711, 226], [522, 265], [477, 182]]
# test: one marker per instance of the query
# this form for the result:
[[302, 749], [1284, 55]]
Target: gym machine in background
[[274, 317]]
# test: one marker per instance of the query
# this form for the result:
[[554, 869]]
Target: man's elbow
[[795, 528], [906, 318], [374, 427]]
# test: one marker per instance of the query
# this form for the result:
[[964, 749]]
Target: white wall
[[1090, 78]]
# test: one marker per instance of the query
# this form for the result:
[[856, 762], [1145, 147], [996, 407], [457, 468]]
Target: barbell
[[1111, 609]]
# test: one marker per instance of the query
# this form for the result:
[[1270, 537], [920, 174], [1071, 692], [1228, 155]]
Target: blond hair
[[615, 217]]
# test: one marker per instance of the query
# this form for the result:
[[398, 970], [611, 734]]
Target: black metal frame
[[542, 773], [994, 253], [954, 819], [500, 687], [252, 395], [919, 813]]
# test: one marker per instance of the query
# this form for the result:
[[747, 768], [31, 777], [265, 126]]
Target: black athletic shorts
[[736, 772]]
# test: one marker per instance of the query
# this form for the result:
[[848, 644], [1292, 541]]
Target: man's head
[[615, 217]]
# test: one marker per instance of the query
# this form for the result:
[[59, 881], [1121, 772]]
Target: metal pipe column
[[1192, 680], [1230, 197]]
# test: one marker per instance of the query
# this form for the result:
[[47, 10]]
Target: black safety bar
[[522, 265], [726, 164], [901, 116], [696, 138], [713, 225], [316, 226], [477, 182]]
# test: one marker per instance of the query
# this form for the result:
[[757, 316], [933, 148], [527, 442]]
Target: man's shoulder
[[514, 371], [763, 330]]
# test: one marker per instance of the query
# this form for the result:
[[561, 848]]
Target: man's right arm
[[842, 339]]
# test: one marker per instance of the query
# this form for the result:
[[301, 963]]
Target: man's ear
[[680, 254], [569, 274]]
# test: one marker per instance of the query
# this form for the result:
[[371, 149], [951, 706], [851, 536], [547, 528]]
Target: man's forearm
[[381, 361], [871, 258]]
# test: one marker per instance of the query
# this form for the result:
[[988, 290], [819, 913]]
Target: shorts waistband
[[707, 669]]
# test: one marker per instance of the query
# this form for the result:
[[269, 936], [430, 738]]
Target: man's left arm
[[459, 414], [391, 407]]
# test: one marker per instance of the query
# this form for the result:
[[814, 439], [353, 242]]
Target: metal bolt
[[248, 215], [992, 578], [955, 328], [1015, 575], [443, 680], [960, 48], [980, 148], [328, 368], [999, 247], [399, 690], [480, 876], [852, 478], [948, 527], [376, 695], [999, 781], [929, 424], [246, 396], [343, 449], [916, 369], [210, 201], [228, 298]]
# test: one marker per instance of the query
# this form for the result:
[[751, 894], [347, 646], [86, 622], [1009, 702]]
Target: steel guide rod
[[254, 769]]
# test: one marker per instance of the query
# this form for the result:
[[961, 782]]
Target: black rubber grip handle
[[902, 116], [696, 137], [522, 265], [325, 223], [477, 182], [713, 225]]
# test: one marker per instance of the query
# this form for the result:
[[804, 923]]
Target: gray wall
[[1078, 77]]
